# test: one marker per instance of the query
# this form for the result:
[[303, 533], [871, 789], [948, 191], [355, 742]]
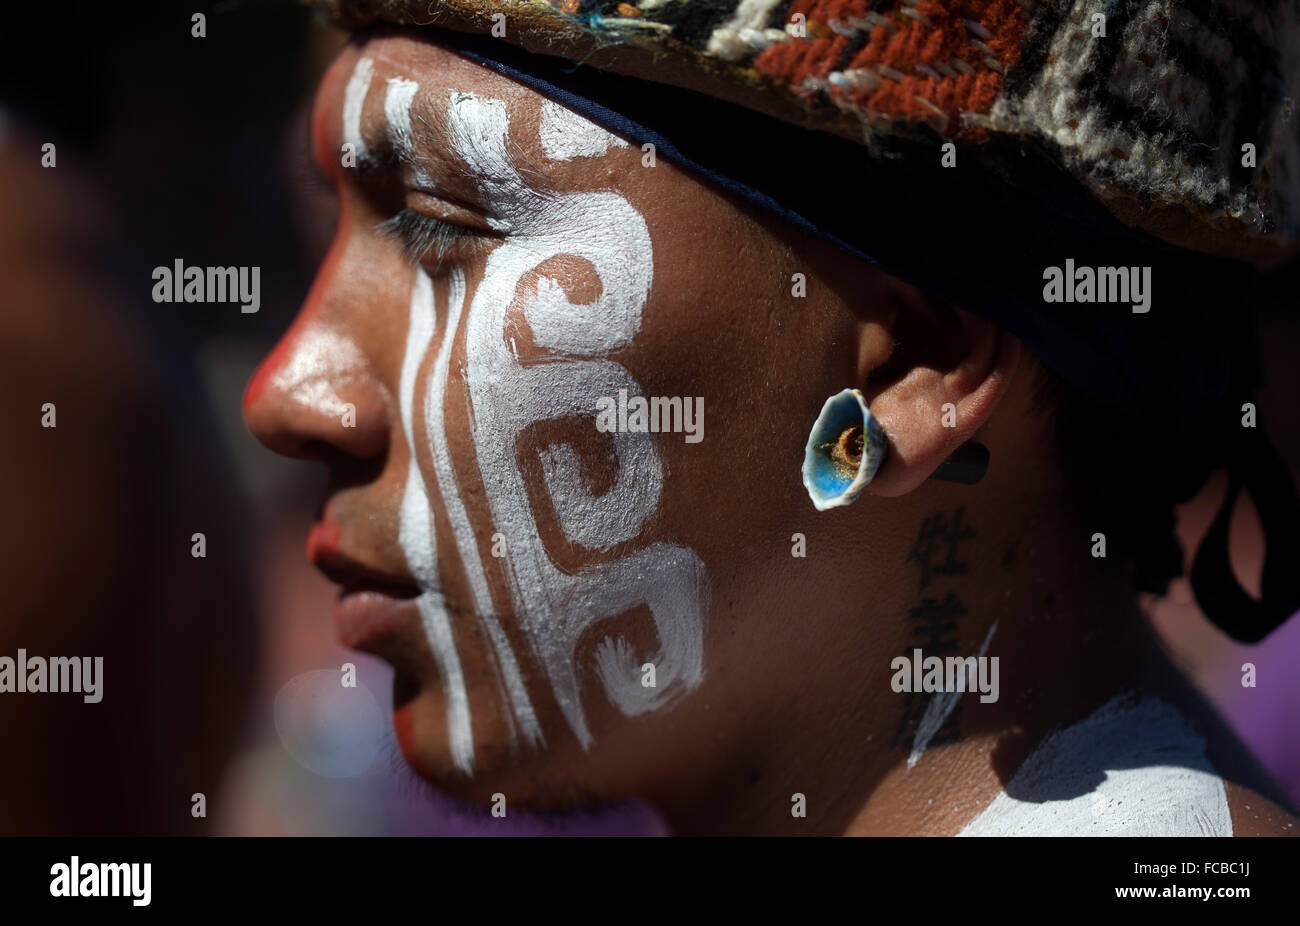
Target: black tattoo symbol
[[936, 532]]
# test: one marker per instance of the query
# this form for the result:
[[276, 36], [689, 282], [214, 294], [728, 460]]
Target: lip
[[376, 611], [375, 622]]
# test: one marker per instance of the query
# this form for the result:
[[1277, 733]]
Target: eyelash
[[421, 235]]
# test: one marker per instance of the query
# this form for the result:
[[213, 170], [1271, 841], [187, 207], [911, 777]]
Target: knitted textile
[[1147, 102]]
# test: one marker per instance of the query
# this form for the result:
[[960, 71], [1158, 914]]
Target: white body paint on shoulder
[[1134, 768], [556, 607], [354, 99], [565, 135]]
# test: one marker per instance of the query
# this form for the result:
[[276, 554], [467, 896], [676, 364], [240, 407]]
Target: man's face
[[563, 393]]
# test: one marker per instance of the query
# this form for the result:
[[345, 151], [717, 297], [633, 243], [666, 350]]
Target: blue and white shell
[[827, 482]]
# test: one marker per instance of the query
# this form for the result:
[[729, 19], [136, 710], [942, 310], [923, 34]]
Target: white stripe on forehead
[[565, 135], [479, 130], [397, 110], [354, 98]]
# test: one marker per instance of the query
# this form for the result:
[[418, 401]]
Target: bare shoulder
[[1256, 815], [1256, 802]]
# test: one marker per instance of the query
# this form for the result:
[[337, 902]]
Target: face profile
[[584, 606], [522, 292]]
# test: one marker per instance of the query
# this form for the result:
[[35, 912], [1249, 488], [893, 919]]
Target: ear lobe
[[945, 386]]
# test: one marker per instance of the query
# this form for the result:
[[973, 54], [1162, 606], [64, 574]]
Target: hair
[[1100, 452]]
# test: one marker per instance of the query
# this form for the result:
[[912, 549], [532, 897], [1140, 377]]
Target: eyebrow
[[430, 133]]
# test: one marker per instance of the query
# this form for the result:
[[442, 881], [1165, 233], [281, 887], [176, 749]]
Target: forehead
[[408, 55], [404, 77]]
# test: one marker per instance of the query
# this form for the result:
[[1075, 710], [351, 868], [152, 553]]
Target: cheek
[[541, 311], [723, 329], [551, 472], [730, 332]]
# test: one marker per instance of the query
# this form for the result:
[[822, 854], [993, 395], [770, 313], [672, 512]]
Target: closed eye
[[423, 236]]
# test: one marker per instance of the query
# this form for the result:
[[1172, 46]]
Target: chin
[[549, 780]]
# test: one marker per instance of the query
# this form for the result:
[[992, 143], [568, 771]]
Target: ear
[[933, 382]]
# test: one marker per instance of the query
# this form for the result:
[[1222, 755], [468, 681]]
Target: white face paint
[[417, 539], [506, 397], [416, 534], [940, 708], [397, 110], [555, 607], [1133, 768], [565, 135], [354, 98], [461, 527]]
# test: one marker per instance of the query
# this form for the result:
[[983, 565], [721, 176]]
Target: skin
[[795, 695]]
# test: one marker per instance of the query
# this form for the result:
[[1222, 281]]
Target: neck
[[1063, 625], [1065, 630]]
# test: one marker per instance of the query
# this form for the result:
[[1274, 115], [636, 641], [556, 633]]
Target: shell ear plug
[[847, 445], [844, 451]]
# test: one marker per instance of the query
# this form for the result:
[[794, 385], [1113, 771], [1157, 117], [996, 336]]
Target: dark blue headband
[[980, 236]]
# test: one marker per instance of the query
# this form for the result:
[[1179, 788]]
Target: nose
[[315, 397]]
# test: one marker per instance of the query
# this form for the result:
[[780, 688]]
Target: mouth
[[380, 623], [376, 611]]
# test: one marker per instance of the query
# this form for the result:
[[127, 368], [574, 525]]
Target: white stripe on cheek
[[437, 627], [354, 98], [418, 336], [461, 527], [556, 608], [417, 539]]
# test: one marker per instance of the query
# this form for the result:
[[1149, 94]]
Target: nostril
[[347, 431], [346, 468]]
